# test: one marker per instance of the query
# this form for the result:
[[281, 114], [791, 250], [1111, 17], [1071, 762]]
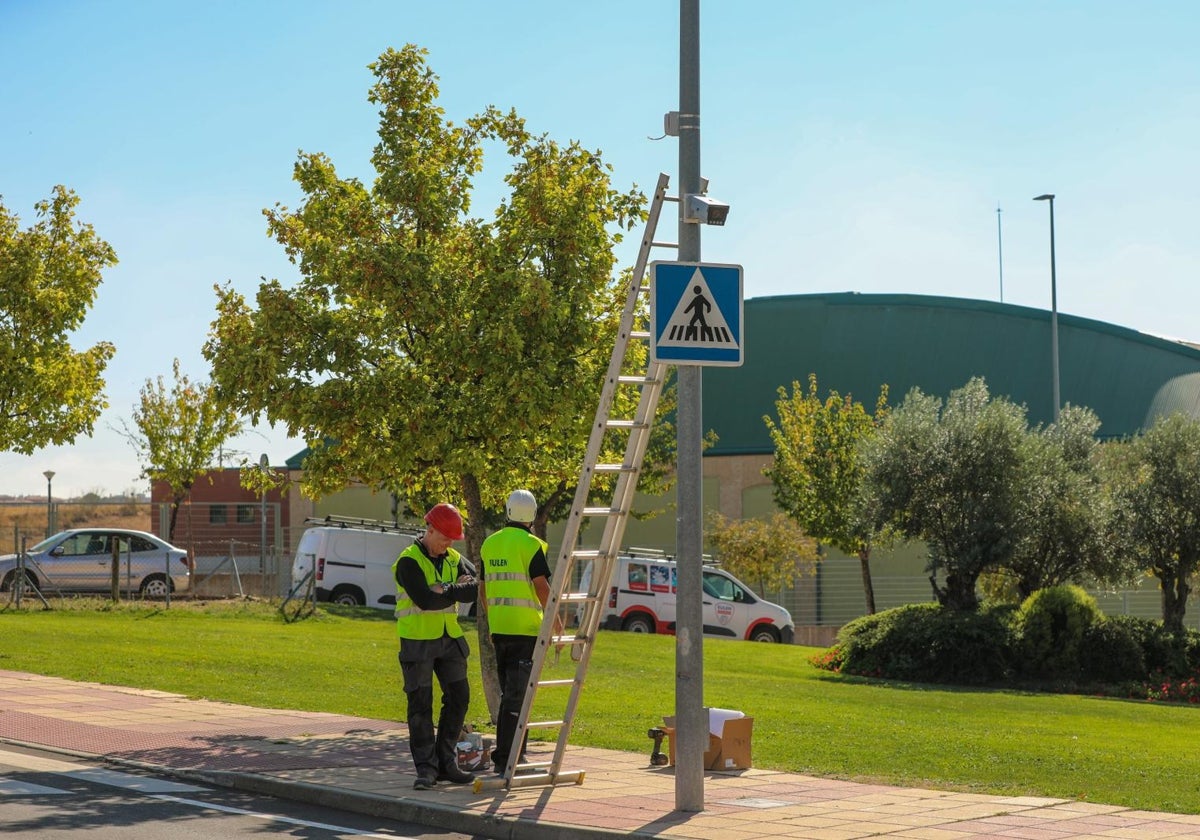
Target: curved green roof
[[855, 343]]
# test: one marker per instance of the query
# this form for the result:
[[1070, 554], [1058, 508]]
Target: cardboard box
[[728, 751]]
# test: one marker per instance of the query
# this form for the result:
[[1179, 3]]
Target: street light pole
[[1049, 197], [49, 503]]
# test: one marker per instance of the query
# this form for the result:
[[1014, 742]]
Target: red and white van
[[641, 599]]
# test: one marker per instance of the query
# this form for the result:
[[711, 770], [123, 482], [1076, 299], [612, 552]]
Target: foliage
[[1155, 487], [817, 473], [433, 355], [1062, 509], [180, 433], [926, 643], [805, 720], [1112, 651], [1050, 628], [49, 273], [773, 554], [950, 477]]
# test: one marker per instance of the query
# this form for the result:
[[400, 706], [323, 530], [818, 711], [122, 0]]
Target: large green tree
[[49, 273], [425, 351], [950, 476], [1063, 511], [774, 552], [1155, 485], [180, 433], [818, 474]]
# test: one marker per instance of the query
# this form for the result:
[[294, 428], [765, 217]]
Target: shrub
[[1112, 651], [926, 643], [1050, 628]]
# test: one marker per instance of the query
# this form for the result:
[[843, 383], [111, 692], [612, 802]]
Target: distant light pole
[[49, 503], [1053, 306], [1000, 251]]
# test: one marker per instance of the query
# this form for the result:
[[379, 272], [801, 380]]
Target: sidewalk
[[362, 765]]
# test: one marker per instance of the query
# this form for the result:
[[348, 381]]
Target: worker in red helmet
[[431, 580]]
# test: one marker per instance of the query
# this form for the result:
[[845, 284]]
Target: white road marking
[[140, 784], [226, 809]]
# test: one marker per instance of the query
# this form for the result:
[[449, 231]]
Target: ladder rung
[[555, 682], [568, 640], [664, 244], [615, 468], [544, 724], [636, 380], [577, 597], [643, 335], [602, 511], [586, 554], [626, 424]]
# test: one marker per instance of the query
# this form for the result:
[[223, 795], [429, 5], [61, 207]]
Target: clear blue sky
[[863, 147]]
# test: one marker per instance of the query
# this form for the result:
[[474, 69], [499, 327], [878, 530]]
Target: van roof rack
[[634, 551], [363, 524]]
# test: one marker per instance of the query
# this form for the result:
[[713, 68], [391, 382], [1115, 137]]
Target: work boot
[[455, 776], [424, 782]]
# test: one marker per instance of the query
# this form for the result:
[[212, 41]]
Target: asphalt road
[[49, 797]]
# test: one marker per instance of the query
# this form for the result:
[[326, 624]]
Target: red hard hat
[[446, 519]]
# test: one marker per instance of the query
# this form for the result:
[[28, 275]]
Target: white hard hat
[[521, 507]]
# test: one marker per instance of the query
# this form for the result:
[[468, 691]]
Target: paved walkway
[[363, 765]]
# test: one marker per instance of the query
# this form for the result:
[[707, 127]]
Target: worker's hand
[[466, 579], [437, 589]]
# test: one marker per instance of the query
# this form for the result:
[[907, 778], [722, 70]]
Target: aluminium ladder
[[587, 605]]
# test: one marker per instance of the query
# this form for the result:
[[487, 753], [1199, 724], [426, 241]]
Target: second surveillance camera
[[705, 210]]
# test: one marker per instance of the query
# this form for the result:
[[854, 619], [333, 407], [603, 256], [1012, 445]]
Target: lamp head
[[49, 474], [1046, 197]]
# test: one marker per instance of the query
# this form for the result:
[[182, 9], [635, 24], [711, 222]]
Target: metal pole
[[1053, 308], [691, 722], [49, 503], [1000, 252]]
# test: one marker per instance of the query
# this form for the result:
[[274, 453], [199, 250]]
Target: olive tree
[[949, 475]]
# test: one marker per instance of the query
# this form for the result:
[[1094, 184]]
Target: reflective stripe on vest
[[512, 603], [412, 622]]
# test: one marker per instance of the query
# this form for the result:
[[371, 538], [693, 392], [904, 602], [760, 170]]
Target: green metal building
[[855, 343]]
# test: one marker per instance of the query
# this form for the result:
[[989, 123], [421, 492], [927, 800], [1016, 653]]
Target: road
[[49, 797]]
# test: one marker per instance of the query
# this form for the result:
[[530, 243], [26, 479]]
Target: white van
[[641, 599], [353, 563]]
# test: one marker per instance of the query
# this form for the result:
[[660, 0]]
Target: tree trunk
[[1174, 603], [959, 593], [864, 559], [475, 536]]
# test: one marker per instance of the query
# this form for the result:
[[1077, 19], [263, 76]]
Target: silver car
[[80, 560]]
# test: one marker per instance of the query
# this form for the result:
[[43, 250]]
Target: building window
[[245, 514], [217, 515]]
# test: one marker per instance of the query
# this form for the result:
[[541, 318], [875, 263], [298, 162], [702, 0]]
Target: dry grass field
[[28, 520]]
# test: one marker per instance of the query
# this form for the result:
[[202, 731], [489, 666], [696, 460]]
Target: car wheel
[[154, 586], [348, 596], [764, 634], [11, 578], [638, 623]]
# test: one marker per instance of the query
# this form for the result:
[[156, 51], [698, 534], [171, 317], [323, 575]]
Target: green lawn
[[1131, 753]]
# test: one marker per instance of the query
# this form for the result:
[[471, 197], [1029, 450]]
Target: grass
[[1119, 752]]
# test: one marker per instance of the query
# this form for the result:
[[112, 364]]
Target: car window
[[75, 545], [719, 586], [142, 544]]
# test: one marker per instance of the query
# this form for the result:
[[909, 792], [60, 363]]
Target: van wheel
[[638, 623], [348, 596], [763, 633]]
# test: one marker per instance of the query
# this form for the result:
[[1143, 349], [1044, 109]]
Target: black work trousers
[[421, 660], [514, 662]]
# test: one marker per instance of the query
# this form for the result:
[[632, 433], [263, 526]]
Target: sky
[[862, 146]]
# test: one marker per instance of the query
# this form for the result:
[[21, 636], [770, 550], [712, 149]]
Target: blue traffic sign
[[696, 313]]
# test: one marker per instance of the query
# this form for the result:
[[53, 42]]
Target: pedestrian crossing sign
[[696, 313]]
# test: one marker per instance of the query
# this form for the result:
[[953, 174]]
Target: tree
[[49, 393], [425, 352], [773, 554], [180, 434], [817, 473], [1062, 509], [950, 477], [1155, 482]]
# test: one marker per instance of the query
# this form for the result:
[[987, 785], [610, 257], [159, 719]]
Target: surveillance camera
[[705, 210]]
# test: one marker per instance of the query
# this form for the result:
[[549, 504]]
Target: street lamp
[[49, 503], [1053, 306]]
